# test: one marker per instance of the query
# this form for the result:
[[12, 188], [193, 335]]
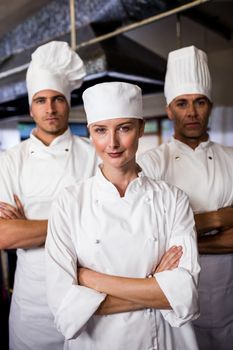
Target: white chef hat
[[112, 100], [187, 73], [54, 66]]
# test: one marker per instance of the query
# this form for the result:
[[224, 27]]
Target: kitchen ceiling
[[215, 15], [15, 12]]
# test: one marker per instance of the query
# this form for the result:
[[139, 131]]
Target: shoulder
[[82, 142], [17, 148], [84, 157], [84, 151], [169, 199], [15, 153], [222, 150], [155, 153], [154, 161], [166, 189]]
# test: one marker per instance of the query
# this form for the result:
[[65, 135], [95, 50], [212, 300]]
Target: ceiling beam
[[209, 21]]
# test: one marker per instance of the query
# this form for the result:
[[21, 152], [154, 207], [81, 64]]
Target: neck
[[192, 142], [46, 138], [120, 177]]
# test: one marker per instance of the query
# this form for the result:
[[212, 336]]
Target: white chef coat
[[206, 175], [37, 173], [123, 236]]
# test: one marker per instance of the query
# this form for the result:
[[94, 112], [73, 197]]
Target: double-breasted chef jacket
[[124, 236], [205, 174], [37, 173]]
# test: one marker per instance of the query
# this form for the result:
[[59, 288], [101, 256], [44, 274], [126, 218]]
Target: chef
[[118, 225], [31, 176], [203, 169]]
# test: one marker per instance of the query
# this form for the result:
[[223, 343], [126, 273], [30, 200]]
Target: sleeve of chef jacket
[[180, 285], [71, 304]]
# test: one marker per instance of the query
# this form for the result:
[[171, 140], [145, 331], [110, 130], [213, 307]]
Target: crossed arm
[[129, 294], [220, 220], [16, 231]]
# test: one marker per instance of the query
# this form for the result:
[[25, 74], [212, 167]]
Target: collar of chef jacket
[[61, 143], [107, 191], [185, 148]]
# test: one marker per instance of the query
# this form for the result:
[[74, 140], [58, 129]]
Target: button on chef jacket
[[37, 173], [206, 175], [123, 236]]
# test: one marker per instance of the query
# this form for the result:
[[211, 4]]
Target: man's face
[[190, 114], [50, 111]]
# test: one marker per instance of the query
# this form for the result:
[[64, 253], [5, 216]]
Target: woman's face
[[116, 140]]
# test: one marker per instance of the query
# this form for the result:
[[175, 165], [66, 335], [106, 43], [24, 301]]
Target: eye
[[99, 130], [39, 101], [124, 128], [202, 102], [181, 104], [60, 99]]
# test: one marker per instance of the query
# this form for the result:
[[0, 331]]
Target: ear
[[169, 112], [211, 106], [141, 127], [30, 112]]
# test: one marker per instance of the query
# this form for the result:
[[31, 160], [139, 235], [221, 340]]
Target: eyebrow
[[46, 97], [196, 99], [181, 100], [201, 98], [104, 125]]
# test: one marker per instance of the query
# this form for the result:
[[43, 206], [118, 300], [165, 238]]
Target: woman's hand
[[87, 277], [170, 260]]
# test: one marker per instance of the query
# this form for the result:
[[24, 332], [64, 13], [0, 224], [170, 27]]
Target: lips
[[51, 119], [115, 154], [192, 125]]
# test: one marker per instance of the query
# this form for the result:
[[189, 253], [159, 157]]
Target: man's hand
[[225, 216], [17, 231], [220, 219], [10, 212]]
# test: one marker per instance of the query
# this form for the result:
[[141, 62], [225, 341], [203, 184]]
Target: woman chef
[[117, 226]]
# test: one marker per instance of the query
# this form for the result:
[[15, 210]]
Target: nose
[[192, 112], [113, 139], [50, 106]]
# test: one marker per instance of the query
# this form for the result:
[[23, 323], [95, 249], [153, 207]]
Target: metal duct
[[118, 58]]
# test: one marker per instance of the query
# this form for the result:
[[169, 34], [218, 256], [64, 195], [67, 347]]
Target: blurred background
[[125, 40]]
